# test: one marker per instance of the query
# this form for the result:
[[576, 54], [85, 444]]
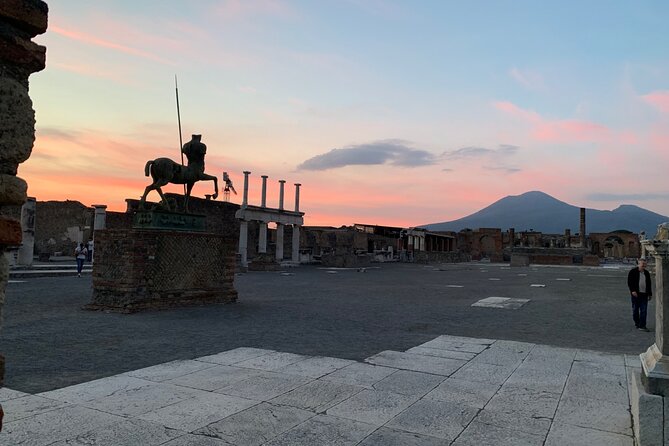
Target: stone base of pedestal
[[137, 269], [649, 417], [655, 373]]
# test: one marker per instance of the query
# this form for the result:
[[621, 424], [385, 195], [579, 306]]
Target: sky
[[387, 112]]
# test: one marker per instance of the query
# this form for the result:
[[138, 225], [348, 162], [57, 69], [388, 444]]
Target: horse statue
[[164, 171]]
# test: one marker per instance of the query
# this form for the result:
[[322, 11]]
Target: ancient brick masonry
[[20, 20], [138, 270]]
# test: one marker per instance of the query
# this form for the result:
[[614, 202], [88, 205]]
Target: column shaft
[[262, 238], [296, 244], [243, 242], [279, 242]]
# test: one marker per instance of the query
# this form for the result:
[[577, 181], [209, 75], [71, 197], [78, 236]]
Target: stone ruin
[[20, 21]]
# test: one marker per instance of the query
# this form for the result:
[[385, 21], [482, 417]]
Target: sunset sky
[[388, 112]]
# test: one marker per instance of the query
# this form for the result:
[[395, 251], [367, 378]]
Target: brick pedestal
[[137, 270]]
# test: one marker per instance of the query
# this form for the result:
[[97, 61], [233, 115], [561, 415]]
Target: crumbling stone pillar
[[279, 242], [20, 21]]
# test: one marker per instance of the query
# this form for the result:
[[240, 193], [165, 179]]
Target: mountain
[[541, 212]]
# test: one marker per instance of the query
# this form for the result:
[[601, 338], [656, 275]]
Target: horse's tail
[[147, 168]]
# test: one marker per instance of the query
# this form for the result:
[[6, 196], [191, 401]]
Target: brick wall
[[146, 269]]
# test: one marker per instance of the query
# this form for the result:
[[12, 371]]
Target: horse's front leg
[[208, 177], [142, 201]]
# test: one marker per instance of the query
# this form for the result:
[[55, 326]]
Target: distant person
[[89, 248], [80, 253], [638, 281]]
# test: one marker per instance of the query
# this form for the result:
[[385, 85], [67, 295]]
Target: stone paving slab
[[494, 392], [360, 374], [384, 436], [417, 363], [406, 382]]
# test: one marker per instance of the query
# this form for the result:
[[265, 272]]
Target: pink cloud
[[564, 130], [96, 41], [658, 99]]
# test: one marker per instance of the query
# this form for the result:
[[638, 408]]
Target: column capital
[[282, 181], [657, 248]]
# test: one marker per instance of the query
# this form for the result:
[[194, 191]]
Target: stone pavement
[[448, 391]]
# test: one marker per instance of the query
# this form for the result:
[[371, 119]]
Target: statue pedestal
[[140, 269], [655, 361]]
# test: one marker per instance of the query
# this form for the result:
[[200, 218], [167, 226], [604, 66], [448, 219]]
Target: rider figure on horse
[[195, 150]]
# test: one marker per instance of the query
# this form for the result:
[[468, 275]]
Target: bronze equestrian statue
[[164, 171]]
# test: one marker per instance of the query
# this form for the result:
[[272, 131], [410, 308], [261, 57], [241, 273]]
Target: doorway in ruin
[[614, 247], [487, 244]]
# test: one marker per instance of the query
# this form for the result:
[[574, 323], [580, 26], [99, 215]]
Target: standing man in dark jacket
[[638, 281]]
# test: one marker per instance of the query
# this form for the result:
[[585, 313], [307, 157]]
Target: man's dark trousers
[[639, 309]]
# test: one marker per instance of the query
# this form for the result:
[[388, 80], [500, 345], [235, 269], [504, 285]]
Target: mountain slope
[[541, 212]]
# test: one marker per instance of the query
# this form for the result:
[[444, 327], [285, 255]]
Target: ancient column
[[243, 242], [655, 361], [281, 185], [296, 244], [262, 237], [512, 237], [20, 21], [245, 198], [297, 197], [582, 228], [567, 238], [27, 249], [263, 199], [99, 217], [279, 242]]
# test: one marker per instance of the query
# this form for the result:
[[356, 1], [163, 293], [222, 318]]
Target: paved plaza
[[448, 391], [396, 354]]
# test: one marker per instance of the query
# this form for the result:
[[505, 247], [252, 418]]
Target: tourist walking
[[638, 281], [80, 253]]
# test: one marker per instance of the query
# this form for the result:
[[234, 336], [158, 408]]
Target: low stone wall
[[137, 270], [345, 260], [440, 257]]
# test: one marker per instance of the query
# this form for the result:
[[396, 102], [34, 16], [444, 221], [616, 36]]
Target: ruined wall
[[60, 226], [20, 21], [615, 244]]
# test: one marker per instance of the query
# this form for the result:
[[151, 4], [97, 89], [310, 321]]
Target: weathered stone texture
[[149, 269], [10, 232], [60, 225], [17, 124], [13, 190]]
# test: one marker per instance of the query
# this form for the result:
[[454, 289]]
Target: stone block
[[317, 396], [524, 402], [9, 394], [590, 260], [28, 406], [99, 388], [324, 430], [648, 414], [197, 440], [470, 393], [10, 231], [13, 190], [215, 378], [372, 406], [465, 356], [595, 414], [384, 436], [28, 16], [134, 402], [169, 370], [234, 356], [265, 387], [477, 434], [256, 425], [17, 118], [410, 383], [485, 373], [271, 361], [127, 432], [55, 425], [417, 363], [194, 413], [315, 367], [435, 418], [530, 425], [359, 374], [570, 435]]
